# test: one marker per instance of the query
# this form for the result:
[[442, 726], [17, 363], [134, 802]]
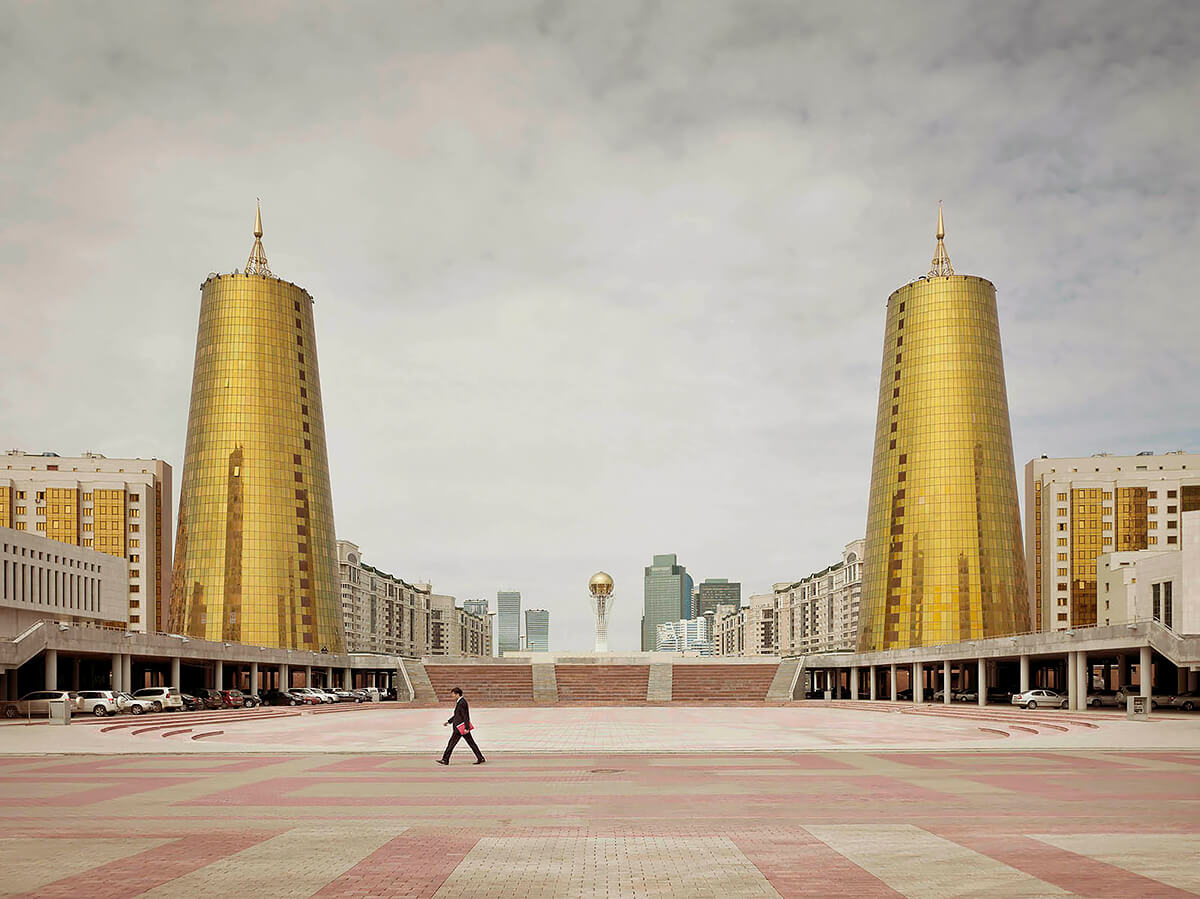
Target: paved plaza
[[188, 817]]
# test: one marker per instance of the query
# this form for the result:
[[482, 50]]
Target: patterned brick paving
[[848, 823]]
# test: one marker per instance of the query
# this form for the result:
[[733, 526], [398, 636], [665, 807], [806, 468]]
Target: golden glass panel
[[255, 557], [944, 556]]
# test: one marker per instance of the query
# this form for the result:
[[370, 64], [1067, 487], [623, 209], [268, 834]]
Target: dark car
[[212, 699], [904, 695], [249, 701], [1003, 697], [233, 699], [192, 703], [279, 697]]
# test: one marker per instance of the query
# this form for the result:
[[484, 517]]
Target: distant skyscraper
[[944, 560], [508, 621], [689, 593], [715, 591], [537, 630], [255, 559], [664, 597], [476, 607]]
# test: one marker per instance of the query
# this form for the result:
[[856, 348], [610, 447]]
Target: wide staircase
[[722, 683], [484, 683], [602, 683]]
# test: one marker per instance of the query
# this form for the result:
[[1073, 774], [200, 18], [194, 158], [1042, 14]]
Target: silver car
[[38, 702], [1186, 701], [1031, 699], [97, 702]]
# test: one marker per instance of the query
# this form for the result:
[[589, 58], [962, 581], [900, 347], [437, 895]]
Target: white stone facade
[[456, 632], [1162, 585], [819, 613], [44, 579]]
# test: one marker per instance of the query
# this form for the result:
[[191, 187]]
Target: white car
[[319, 695], [161, 698], [134, 706], [97, 702], [1031, 699], [38, 702]]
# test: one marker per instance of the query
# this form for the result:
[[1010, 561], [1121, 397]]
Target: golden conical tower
[[944, 557], [255, 557]]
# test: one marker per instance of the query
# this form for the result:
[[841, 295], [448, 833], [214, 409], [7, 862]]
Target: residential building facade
[[752, 630], [42, 578], [120, 507], [476, 607], [381, 612], [665, 596], [819, 613], [508, 621], [1078, 509], [454, 631], [944, 557], [713, 592], [537, 630]]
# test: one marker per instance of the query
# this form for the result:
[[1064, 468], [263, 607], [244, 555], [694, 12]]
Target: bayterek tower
[[601, 587]]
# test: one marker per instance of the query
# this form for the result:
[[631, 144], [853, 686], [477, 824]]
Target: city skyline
[[730, 264]]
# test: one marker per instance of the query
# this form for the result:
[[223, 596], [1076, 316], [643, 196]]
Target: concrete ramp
[[545, 685], [661, 681], [783, 682], [419, 678]]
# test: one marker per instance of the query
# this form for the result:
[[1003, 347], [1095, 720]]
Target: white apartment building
[[751, 630], [44, 579], [685, 635], [381, 612], [819, 613], [120, 507], [1078, 509], [1163, 585]]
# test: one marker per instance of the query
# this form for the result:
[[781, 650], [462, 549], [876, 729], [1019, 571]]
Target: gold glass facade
[[944, 558], [255, 558]]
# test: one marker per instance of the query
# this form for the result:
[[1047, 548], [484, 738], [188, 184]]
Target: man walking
[[460, 721]]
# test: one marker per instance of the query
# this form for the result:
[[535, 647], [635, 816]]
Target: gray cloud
[[596, 281]]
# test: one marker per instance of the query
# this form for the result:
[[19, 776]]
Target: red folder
[[463, 728]]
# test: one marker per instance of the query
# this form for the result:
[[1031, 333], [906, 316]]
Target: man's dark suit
[[462, 715]]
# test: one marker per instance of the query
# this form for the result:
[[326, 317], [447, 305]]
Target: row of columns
[[1078, 671]]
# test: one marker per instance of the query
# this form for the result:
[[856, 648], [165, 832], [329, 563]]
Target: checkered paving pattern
[[861, 824]]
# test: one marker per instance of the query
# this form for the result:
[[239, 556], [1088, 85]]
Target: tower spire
[[941, 259], [257, 263]]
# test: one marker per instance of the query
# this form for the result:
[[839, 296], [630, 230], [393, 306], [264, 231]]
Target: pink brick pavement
[[420, 823]]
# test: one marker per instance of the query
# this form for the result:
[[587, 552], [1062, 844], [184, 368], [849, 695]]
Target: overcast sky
[[595, 281]]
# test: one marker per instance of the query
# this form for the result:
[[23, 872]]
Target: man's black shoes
[[478, 761], [441, 761]]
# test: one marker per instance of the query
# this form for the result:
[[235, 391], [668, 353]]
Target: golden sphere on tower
[[601, 584]]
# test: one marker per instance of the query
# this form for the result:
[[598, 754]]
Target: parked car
[[905, 695], [331, 693], [966, 696], [373, 694], [168, 698], [233, 699], [212, 699], [1000, 696], [96, 702], [249, 701], [311, 695], [1099, 698], [38, 703], [345, 695], [1124, 693], [134, 706], [279, 697], [191, 703], [1031, 699], [1186, 701]]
